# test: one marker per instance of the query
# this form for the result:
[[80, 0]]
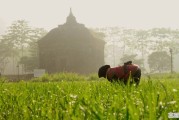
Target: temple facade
[[71, 48]]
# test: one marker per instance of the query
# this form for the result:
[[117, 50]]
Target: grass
[[71, 96]]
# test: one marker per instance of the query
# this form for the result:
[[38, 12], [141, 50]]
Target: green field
[[71, 96]]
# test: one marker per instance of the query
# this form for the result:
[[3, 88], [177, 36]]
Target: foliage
[[159, 61], [96, 34], [165, 39], [6, 50], [127, 38], [32, 61], [152, 99], [59, 77], [134, 60], [18, 35], [17, 41], [140, 42], [64, 76]]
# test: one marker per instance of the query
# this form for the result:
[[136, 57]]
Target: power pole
[[171, 60], [114, 59], [18, 71]]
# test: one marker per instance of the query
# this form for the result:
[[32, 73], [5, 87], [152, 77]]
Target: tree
[[134, 60], [165, 39], [97, 34], [126, 37], [3, 56], [32, 61], [19, 40], [174, 43], [6, 51], [141, 42], [159, 61], [18, 34]]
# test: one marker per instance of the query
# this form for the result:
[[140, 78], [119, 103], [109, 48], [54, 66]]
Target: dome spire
[[71, 18], [71, 12]]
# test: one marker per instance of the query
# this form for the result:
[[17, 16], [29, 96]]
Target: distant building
[[71, 48]]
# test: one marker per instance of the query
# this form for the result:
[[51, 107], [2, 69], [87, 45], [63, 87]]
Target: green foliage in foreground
[[152, 99]]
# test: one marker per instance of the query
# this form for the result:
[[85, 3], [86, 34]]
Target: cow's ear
[[128, 63]]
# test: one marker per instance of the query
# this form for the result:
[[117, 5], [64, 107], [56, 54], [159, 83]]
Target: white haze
[[93, 13]]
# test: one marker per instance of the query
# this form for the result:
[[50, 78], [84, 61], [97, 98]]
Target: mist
[[131, 30]]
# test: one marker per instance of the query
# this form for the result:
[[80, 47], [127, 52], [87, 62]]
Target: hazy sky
[[93, 13]]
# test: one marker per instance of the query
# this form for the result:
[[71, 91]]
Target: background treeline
[[19, 46], [151, 48]]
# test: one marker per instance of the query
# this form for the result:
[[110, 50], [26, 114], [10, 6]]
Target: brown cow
[[121, 73]]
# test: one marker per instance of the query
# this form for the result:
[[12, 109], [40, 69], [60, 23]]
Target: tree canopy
[[19, 40], [159, 61]]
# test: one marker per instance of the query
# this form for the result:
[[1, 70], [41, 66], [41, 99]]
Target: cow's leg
[[137, 76]]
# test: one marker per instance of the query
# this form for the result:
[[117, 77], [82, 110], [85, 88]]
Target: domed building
[[71, 48]]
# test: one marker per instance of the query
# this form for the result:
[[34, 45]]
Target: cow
[[121, 73]]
